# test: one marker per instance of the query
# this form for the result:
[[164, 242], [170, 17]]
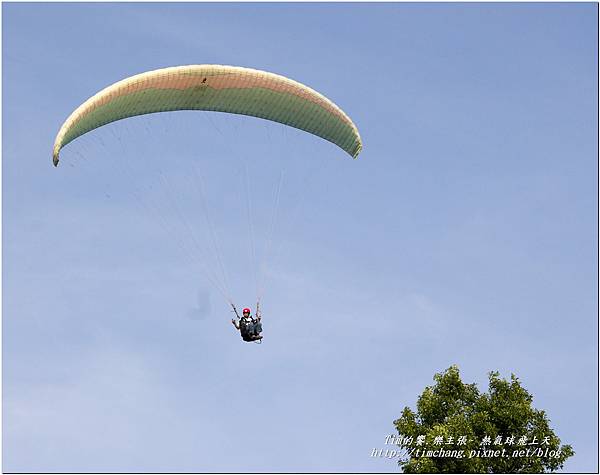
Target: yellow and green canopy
[[214, 88]]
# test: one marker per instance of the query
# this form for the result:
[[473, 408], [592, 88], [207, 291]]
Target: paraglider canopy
[[219, 88]]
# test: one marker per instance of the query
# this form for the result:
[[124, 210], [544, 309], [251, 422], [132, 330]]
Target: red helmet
[[246, 310]]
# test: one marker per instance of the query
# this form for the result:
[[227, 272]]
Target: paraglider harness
[[244, 325]]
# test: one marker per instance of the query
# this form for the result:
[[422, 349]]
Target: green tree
[[457, 429]]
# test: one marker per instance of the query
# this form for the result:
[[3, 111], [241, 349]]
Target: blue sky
[[465, 233]]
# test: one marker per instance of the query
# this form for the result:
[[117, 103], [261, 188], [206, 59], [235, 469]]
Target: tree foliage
[[458, 429]]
